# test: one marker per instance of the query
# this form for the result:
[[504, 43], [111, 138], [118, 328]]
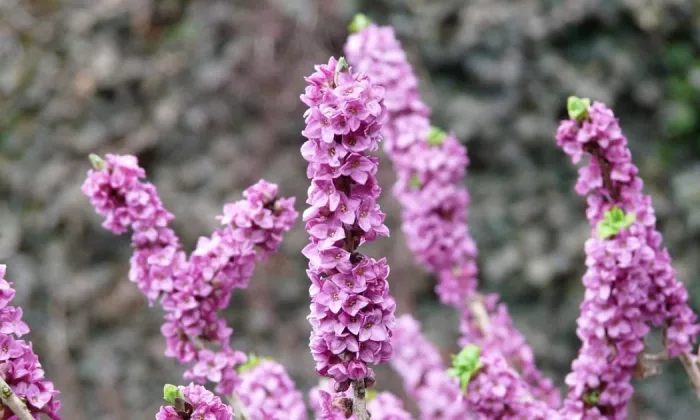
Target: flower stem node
[[578, 107], [613, 221], [359, 22], [466, 365]]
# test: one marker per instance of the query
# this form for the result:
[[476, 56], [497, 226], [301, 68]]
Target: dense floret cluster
[[352, 313]]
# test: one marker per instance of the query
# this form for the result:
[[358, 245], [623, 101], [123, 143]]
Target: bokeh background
[[205, 93]]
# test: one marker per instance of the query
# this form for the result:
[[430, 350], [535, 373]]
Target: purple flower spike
[[630, 283], [193, 290], [352, 313]]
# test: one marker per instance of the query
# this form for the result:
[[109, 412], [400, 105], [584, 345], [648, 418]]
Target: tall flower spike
[[191, 291], [430, 166], [630, 284], [420, 366], [192, 402], [268, 393], [352, 313], [19, 365]]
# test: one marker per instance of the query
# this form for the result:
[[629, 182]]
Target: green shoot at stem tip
[[613, 222], [171, 393], [97, 162], [436, 136], [578, 107], [358, 23], [465, 365]]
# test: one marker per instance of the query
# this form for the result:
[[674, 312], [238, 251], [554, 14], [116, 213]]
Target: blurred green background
[[205, 93]]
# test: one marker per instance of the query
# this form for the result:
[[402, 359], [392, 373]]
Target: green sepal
[[97, 162], [415, 182], [171, 393], [253, 361], [578, 107], [359, 22], [465, 365], [370, 394], [591, 398], [613, 221], [436, 136]]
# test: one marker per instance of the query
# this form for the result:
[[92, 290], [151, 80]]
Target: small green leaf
[[415, 182], [370, 394], [613, 221], [253, 361], [591, 398], [339, 67], [627, 220], [436, 136], [359, 22], [465, 365], [578, 107], [97, 162], [171, 393]]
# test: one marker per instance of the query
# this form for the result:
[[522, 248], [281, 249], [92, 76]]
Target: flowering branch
[[352, 312], [192, 290], [631, 285], [430, 166], [11, 400]]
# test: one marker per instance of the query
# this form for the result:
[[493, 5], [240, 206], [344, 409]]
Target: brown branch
[[239, 411], [478, 310], [13, 402], [692, 366], [359, 400]]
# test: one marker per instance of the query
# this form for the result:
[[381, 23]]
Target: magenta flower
[[350, 297]]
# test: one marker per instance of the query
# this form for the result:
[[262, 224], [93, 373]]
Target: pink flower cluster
[[199, 403], [376, 51], [19, 365], [425, 379], [430, 167], [352, 312], [268, 393], [382, 406], [193, 290], [497, 392], [630, 284]]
